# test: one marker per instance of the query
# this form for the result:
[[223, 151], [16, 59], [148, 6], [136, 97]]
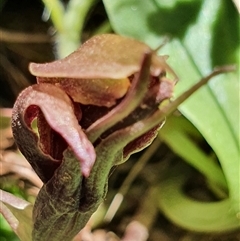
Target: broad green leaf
[[149, 20], [204, 34], [214, 110]]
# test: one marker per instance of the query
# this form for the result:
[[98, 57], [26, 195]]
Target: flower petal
[[58, 111], [99, 92], [106, 56], [97, 73]]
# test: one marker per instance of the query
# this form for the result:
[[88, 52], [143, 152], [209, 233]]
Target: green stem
[[68, 23], [56, 10], [74, 18], [76, 13]]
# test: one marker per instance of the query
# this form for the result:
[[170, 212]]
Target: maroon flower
[[90, 109]]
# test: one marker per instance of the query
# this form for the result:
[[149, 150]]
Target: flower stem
[[69, 23], [56, 10]]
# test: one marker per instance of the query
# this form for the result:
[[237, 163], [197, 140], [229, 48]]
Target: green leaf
[[191, 214], [149, 20], [179, 135], [6, 232], [202, 36]]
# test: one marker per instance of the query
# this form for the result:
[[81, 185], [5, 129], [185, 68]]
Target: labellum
[[90, 109]]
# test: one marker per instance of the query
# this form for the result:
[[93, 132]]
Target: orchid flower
[[94, 109], [85, 106]]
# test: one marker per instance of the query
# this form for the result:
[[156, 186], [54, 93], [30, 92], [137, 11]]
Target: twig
[[21, 37]]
